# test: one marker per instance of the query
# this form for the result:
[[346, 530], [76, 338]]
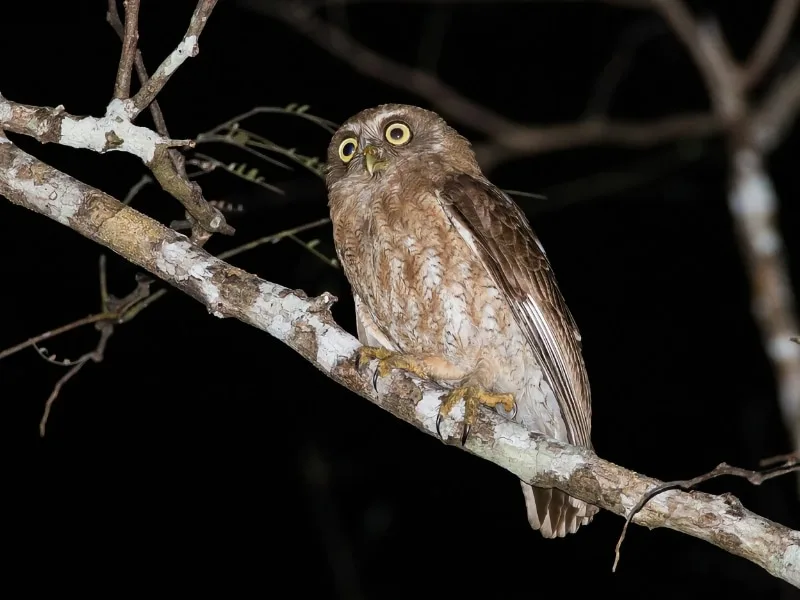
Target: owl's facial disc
[[372, 162]]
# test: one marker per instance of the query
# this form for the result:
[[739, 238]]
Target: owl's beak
[[371, 162]]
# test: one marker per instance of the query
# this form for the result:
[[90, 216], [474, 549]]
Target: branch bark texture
[[306, 325]]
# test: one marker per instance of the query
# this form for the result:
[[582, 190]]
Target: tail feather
[[554, 513]]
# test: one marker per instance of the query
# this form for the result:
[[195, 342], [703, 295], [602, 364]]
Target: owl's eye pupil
[[348, 149], [396, 133]]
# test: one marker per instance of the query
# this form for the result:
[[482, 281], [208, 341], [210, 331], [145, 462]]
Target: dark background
[[202, 454]]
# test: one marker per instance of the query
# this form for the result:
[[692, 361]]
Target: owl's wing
[[497, 231]]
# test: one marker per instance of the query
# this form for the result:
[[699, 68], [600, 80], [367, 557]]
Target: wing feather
[[496, 229]]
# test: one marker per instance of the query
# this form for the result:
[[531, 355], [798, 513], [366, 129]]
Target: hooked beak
[[371, 162]]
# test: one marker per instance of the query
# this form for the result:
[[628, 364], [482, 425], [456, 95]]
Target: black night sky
[[202, 454]]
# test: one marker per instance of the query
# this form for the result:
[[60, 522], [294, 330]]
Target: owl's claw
[[388, 360], [473, 397]]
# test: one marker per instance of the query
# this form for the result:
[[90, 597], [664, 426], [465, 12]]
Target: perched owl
[[450, 283]]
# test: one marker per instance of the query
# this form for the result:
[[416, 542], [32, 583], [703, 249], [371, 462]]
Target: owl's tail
[[554, 513]]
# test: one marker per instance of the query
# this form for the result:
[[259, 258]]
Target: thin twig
[[122, 86], [792, 458], [95, 355], [114, 20], [272, 239], [186, 48], [771, 42], [619, 65], [778, 111], [709, 51], [54, 332], [299, 111], [136, 188], [754, 477]]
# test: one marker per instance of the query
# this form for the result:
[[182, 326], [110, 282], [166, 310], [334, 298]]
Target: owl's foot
[[473, 397], [388, 360]]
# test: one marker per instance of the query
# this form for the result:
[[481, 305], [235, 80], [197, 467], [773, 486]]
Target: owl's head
[[395, 139]]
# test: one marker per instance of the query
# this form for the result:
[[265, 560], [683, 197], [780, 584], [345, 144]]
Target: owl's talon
[[375, 380], [465, 433], [388, 360], [365, 354], [513, 414], [438, 423], [473, 397]]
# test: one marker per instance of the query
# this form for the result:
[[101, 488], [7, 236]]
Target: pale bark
[[305, 325]]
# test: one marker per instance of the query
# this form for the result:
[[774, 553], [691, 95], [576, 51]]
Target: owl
[[450, 283]]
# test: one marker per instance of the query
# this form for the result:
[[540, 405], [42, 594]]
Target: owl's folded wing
[[496, 229]]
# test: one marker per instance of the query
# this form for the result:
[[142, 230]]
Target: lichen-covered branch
[[114, 132], [306, 325]]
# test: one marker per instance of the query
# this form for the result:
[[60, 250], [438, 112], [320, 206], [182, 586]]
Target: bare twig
[[119, 311], [114, 309], [306, 325], [186, 48], [792, 458], [54, 332], [130, 37], [772, 40], [122, 311], [620, 64], [532, 141], [155, 110], [136, 188], [775, 116], [95, 355], [754, 477], [273, 239], [707, 47]]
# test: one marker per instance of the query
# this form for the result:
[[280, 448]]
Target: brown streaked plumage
[[450, 280]]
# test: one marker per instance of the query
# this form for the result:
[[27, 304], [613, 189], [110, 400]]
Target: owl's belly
[[435, 297], [429, 294], [459, 313]]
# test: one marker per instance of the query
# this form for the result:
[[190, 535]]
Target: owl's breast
[[418, 278]]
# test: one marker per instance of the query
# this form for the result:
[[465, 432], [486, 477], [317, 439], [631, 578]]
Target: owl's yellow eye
[[347, 149], [398, 134]]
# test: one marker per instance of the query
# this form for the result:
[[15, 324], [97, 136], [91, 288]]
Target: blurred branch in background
[[752, 129]]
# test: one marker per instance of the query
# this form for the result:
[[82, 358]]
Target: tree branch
[[306, 325], [113, 132]]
